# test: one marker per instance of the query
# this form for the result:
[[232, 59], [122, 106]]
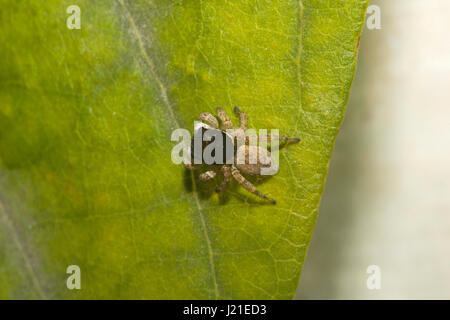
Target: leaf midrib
[[166, 100]]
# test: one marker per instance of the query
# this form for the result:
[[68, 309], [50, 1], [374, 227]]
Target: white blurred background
[[387, 197]]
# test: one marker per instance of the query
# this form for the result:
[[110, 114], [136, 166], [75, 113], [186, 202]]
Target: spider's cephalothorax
[[230, 166], [204, 136]]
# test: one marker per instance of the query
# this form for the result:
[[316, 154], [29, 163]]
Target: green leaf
[[86, 116]]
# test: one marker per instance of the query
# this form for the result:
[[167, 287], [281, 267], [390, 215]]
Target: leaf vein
[[165, 97]]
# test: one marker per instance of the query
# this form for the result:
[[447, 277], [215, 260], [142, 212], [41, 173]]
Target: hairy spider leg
[[224, 119], [248, 185], [226, 170], [270, 138], [242, 118], [209, 119]]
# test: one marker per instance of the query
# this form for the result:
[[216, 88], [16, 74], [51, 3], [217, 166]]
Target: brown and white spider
[[234, 169]]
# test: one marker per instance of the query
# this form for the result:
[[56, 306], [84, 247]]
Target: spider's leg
[[271, 138], [242, 118], [226, 178], [190, 166], [226, 122], [248, 185], [208, 175], [282, 138], [209, 119]]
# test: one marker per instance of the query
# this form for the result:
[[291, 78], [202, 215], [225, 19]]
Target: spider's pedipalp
[[208, 175]]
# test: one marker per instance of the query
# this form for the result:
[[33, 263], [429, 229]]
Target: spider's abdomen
[[250, 159]]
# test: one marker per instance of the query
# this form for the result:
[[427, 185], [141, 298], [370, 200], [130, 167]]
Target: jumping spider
[[264, 159]]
